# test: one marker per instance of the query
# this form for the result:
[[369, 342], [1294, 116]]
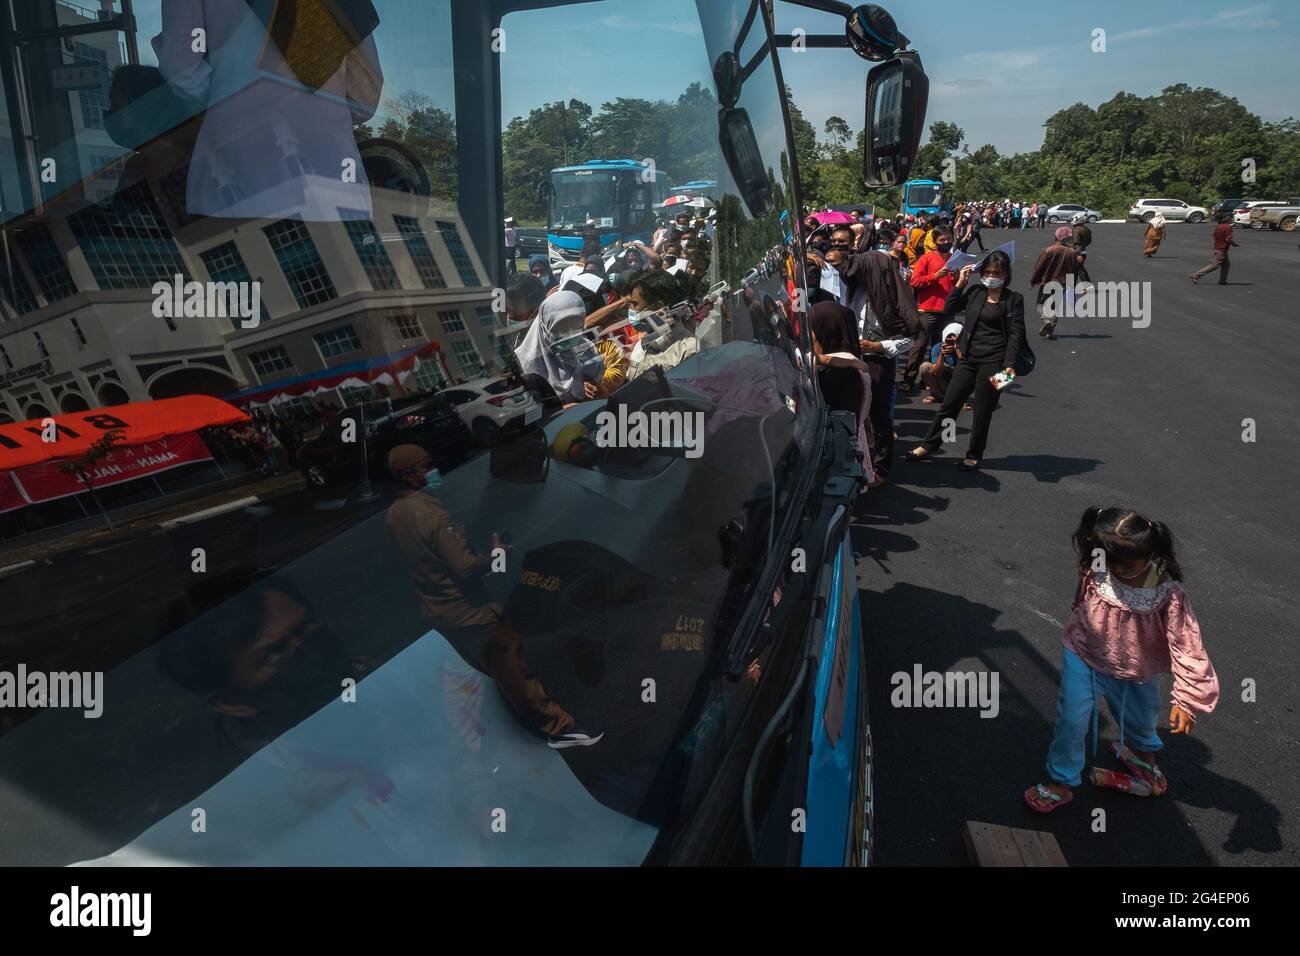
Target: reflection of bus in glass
[[617, 198], [923, 195], [698, 188]]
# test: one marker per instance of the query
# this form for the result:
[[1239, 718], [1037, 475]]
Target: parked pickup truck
[[1277, 217]]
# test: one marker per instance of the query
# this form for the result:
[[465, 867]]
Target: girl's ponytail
[[1085, 538], [1164, 550]]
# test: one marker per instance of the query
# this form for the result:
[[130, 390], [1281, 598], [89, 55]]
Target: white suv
[[1145, 210], [490, 407]]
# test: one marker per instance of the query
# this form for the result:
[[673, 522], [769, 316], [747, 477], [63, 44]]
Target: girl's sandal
[[929, 400], [913, 455], [1116, 780], [1054, 801], [968, 464], [1149, 774]]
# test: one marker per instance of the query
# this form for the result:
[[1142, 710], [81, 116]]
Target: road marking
[[1046, 617], [209, 512]]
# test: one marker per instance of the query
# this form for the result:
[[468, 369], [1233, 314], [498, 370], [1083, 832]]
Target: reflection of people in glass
[[444, 567], [283, 82], [555, 349], [263, 660]]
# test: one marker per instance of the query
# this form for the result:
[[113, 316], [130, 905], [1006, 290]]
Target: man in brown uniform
[[442, 563]]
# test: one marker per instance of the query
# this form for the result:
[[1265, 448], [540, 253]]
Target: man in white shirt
[[512, 248]]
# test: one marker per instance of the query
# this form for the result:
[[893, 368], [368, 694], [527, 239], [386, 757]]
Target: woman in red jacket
[[932, 282]]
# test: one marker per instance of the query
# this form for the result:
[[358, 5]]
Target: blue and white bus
[[617, 198]]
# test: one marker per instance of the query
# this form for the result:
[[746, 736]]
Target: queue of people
[[910, 318]]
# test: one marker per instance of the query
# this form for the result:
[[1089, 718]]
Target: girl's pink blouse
[[1136, 633]]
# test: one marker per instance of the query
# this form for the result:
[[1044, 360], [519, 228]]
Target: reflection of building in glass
[[80, 327], [347, 274]]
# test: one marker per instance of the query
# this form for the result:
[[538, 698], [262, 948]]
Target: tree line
[[1183, 143]]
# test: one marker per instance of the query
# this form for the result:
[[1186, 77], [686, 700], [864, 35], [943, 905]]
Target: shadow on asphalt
[[1045, 468], [975, 768]]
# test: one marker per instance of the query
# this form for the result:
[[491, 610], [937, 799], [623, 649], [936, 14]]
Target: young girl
[[1131, 621]]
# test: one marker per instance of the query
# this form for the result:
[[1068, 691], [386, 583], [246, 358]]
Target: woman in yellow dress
[[1155, 235]]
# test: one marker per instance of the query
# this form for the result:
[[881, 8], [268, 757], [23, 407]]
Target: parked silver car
[[1066, 212], [1144, 210]]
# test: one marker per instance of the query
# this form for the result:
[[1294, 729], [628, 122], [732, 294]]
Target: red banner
[[47, 481], [24, 443]]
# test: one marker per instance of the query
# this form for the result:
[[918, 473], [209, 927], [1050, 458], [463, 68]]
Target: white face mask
[[990, 282]]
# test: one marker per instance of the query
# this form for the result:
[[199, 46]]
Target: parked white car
[[491, 407], [1144, 210], [1068, 212], [1241, 215]]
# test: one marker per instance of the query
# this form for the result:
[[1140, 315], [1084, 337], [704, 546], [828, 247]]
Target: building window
[[418, 247], [40, 345], [80, 335], [370, 250], [94, 102], [126, 242], [505, 354], [486, 317], [47, 263], [451, 321], [337, 342], [301, 262], [9, 363], [407, 327], [269, 361], [427, 377], [467, 357], [16, 287], [358, 394], [459, 254], [225, 264]]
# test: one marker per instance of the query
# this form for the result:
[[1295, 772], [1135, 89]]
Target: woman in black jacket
[[992, 334]]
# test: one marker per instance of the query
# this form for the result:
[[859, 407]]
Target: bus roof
[[601, 164]]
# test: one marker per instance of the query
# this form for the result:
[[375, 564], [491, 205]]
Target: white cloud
[[1232, 18]]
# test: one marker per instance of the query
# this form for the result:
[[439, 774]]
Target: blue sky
[[997, 70]]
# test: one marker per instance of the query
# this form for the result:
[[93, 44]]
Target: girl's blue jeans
[[1135, 707]]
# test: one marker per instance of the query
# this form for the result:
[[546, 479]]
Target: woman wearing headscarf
[[841, 373], [1155, 235], [555, 348], [540, 267], [1055, 265]]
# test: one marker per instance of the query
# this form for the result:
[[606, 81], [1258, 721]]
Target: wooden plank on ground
[[1038, 848], [990, 844]]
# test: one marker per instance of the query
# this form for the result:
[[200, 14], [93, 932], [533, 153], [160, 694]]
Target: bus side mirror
[[897, 93], [740, 150], [544, 190]]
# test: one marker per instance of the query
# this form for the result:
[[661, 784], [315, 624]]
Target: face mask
[[633, 314], [993, 283], [432, 482], [944, 246]]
